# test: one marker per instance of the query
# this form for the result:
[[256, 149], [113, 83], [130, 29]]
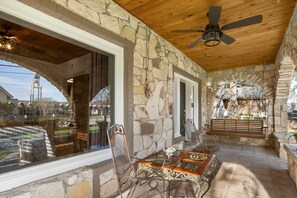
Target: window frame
[[22, 176]]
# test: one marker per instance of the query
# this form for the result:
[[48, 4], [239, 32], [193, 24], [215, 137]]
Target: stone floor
[[251, 172]]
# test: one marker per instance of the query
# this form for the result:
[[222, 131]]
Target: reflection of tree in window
[[101, 80], [101, 103]]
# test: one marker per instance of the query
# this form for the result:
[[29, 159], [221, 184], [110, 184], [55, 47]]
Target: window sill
[[30, 174]]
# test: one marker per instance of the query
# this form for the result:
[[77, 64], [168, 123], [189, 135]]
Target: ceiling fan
[[213, 33], [7, 40]]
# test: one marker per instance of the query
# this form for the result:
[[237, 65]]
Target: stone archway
[[285, 73], [42, 68], [262, 76]]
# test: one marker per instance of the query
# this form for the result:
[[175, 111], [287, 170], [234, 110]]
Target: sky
[[17, 81]]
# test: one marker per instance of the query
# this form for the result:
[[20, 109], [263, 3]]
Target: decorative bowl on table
[[169, 151]]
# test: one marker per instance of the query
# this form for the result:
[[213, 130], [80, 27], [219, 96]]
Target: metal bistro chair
[[140, 185], [200, 143]]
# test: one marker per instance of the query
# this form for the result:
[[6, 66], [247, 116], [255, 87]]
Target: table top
[[182, 164]]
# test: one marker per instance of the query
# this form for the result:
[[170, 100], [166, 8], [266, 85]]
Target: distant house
[[4, 95]]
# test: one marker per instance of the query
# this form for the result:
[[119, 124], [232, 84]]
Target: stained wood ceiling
[[255, 44]]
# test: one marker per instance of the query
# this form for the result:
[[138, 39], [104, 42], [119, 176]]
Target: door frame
[[192, 96]]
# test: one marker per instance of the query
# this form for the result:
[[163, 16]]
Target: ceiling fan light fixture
[[7, 40], [213, 33], [212, 39], [7, 43]]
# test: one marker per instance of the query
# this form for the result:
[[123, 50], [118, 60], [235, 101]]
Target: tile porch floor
[[251, 172]]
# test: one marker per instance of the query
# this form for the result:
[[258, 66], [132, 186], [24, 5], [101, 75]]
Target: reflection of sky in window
[[18, 80]]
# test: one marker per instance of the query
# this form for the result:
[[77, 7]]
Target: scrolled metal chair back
[[120, 154]]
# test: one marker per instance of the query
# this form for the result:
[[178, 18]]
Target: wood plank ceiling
[[255, 44]]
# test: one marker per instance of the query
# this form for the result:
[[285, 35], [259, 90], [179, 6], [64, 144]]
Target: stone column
[[282, 92], [210, 104]]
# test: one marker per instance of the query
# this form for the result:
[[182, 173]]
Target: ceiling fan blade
[[243, 22], [227, 39], [214, 14], [181, 31], [195, 43]]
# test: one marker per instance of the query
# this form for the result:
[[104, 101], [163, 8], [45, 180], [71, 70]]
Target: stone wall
[[97, 181], [153, 116], [75, 184], [286, 62], [282, 92], [261, 75], [292, 161]]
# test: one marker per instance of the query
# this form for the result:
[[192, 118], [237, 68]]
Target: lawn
[[62, 132], [4, 153], [67, 131]]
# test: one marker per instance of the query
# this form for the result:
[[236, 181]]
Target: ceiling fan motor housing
[[212, 36]]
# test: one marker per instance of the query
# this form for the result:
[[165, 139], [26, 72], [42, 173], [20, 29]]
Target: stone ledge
[[282, 137], [291, 151], [292, 160], [279, 139]]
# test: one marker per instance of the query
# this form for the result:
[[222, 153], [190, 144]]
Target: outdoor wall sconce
[[148, 91], [209, 82]]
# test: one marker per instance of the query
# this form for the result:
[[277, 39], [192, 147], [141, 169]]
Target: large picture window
[[37, 121], [41, 128]]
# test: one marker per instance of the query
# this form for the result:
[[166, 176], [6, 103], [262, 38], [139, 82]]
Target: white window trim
[[27, 175], [194, 113]]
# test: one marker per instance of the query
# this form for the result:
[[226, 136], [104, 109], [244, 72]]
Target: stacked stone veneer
[[261, 75], [292, 161], [282, 92], [78, 183]]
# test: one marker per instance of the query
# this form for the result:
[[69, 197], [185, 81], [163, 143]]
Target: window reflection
[[40, 127], [99, 119]]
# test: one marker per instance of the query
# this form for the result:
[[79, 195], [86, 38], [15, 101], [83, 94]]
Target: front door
[[182, 106]]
